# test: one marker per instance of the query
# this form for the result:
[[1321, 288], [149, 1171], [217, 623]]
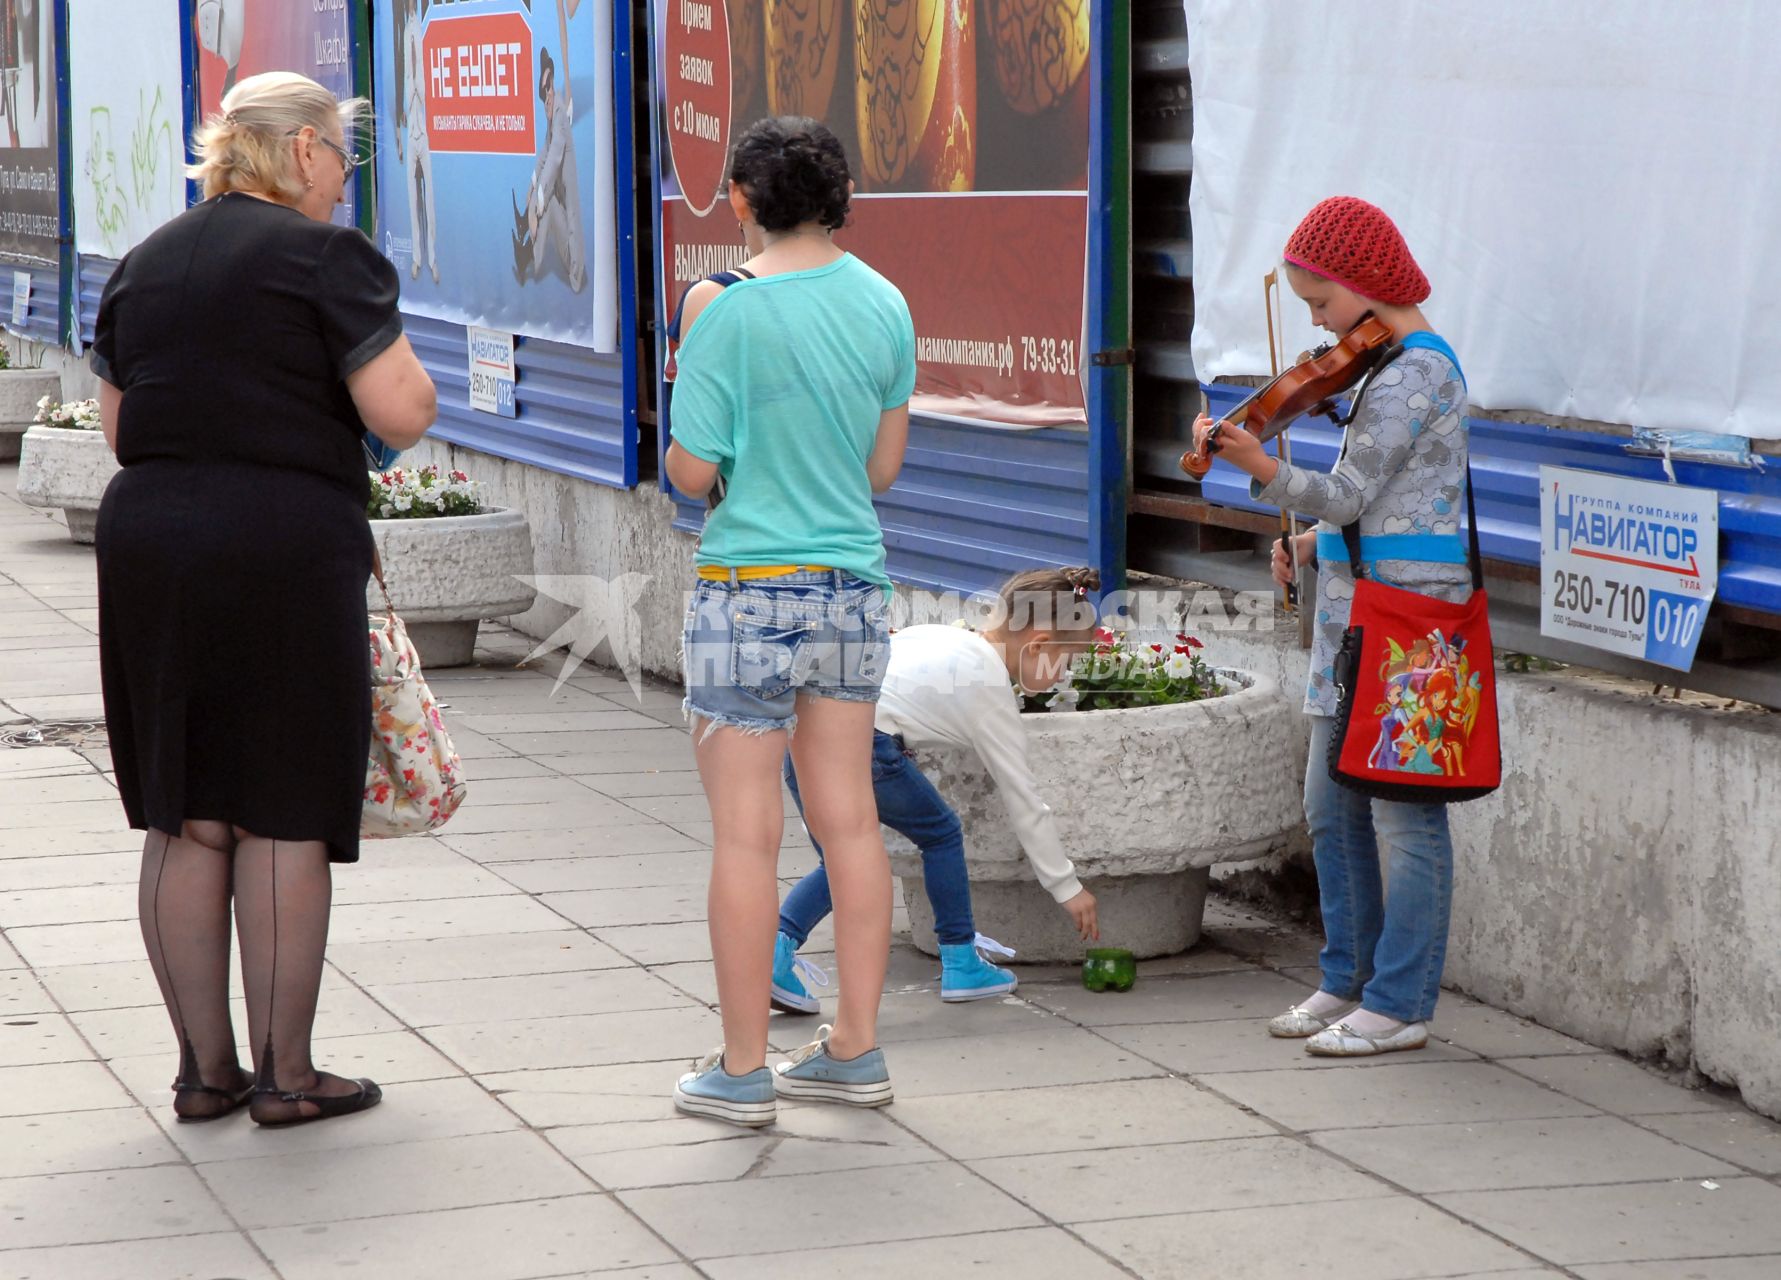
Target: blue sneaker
[[966, 975], [789, 992], [710, 1090], [811, 1075]]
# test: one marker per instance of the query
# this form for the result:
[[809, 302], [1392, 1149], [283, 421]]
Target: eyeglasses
[[348, 161]]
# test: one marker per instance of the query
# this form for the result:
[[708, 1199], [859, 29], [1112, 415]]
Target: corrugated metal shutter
[[571, 405], [976, 504], [43, 322], [93, 272]]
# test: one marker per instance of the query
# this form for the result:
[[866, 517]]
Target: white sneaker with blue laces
[[809, 1074], [710, 1090]]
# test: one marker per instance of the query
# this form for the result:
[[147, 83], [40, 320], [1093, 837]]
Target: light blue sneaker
[[789, 993], [966, 975], [709, 1090], [811, 1075]]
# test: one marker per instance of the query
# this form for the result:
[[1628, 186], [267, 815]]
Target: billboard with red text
[[966, 128]]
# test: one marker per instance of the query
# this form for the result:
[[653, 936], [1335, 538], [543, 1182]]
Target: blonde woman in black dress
[[243, 350]]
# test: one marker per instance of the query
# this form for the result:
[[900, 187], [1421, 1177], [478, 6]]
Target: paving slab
[[1614, 1084], [517, 1241], [1429, 1093], [1031, 1253], [1519, 1153], [749, 1216], [1208, 1048], [1745, 1139], [190, 1257], [1393, 1238], [1632, 1222], [115, 1204]]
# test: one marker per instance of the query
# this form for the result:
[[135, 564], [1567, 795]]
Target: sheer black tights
[[281, 892]]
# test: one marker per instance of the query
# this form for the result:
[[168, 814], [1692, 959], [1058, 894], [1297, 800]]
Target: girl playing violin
[[1401, 476]]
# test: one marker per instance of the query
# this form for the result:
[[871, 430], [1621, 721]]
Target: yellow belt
[[753, 572]]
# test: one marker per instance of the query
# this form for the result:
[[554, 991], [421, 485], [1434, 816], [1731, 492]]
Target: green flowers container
[[1109, 969]]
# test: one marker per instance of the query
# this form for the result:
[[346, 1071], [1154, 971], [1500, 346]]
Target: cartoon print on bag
[[1431, 702]]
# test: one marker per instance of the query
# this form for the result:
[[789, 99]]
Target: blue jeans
[[909, 805], [1385, 950]]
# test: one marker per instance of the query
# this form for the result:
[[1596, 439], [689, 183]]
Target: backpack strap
[[723, 280]]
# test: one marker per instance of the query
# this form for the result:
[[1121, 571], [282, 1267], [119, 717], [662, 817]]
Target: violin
[[1310, 386]]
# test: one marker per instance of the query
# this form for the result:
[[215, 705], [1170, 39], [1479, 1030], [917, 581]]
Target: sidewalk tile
[[653, 944], [1201, 1048], [69, 871], [631, 840], [1763, 1268], [414, 1111], [648, 737], [117, 1204], [554, 1097], [1739, 1136], [1065, 1055], [1031, 1253], [1431, 1093], [53, 842], [920, 1014], [518, 1241], [622, 908], [60, 1088], [131, 1032], [652, 782], [633, 871], [461, 878], [1089, 1186], [490, 1000], [39, 1039], [446, 918], [596, 811], [1518, 1153], [1616, 1085], [82, 905], [493, 955], [1380, 1239], [32, 1146], [547, 788], [580, 1040], [976, 1126], [22, 995], [750, 1216], [89, 787], [1636, 1222], [326, 1187], [1492, 1033], [501, 725], [180, 1258], [683, 1149]]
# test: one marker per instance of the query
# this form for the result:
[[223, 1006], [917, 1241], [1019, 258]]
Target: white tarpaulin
[[1593, 188], [127, 121]]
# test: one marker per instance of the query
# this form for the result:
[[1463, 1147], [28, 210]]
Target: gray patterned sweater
[[1403, 470]]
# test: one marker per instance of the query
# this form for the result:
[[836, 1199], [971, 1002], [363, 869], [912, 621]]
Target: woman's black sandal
[[192, 1082], [327, 1108]]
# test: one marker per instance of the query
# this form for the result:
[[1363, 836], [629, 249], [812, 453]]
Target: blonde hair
[[1051, 599], [247, 146]]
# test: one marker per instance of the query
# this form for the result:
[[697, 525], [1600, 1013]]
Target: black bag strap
[[722, 279], [1351, 531]]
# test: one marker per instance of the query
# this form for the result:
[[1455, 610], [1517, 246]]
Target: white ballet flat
[[1343, 1041], [1298, 1022]]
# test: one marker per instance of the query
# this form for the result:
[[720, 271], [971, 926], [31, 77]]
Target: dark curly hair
[[793, 171]]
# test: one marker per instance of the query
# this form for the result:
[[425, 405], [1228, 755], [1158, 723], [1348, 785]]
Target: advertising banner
[[966, 128], [495, 164], [128, 128], [30, 176], [241, 38], [1627, 565]]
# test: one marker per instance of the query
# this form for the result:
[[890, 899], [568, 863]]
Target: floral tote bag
[[414, 781]]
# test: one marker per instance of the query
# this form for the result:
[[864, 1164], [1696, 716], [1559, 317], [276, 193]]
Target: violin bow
[[1288, 527]]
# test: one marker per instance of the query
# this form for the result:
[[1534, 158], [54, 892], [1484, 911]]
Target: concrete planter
[[20, 390], [61, 467], [447, 573], [1146, 801]]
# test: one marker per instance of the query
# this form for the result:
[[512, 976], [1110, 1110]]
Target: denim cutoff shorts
[[749, 647]]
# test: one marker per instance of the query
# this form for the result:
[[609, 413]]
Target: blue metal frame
[[624, 182], [1109, 385], [188, 82], [64, 191]]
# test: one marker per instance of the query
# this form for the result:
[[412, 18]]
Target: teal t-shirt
[[781, 382]]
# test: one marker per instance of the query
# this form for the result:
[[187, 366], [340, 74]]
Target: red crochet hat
[[1347, 240]]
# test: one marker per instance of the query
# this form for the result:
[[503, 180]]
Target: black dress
[[233, 546]]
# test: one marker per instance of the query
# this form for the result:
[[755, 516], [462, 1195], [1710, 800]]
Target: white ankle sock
[[1322, 1004], [1372, 1024]]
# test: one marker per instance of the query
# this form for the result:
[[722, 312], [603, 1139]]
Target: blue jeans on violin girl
[[1385, 951]]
